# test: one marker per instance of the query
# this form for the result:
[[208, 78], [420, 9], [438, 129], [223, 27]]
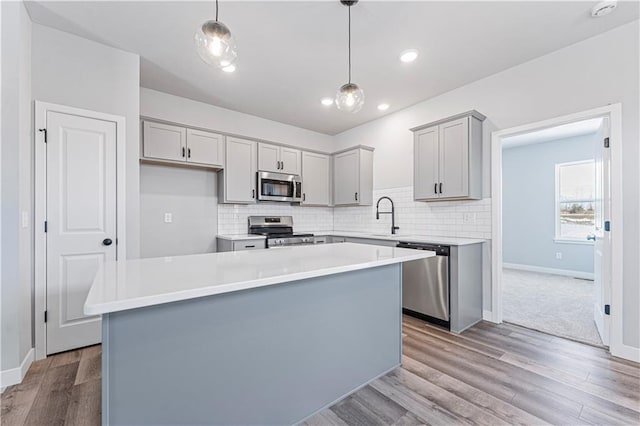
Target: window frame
[[557, 237]]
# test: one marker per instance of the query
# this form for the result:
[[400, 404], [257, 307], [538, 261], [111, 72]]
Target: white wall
[[190, 195], [16, 181], [595, 72], [76, 72], [167, 107]]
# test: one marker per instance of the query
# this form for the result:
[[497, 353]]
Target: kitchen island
[[252, 337]]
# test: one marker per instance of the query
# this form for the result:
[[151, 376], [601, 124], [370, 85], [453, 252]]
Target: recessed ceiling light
[[383, 107], [326, 101], [229, 68], [603, 8], [409, 55]]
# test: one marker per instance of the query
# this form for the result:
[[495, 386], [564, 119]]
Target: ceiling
[[569, 130], [292, 54]]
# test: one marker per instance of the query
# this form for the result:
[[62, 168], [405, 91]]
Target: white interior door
[[602, 242], [81, 223]]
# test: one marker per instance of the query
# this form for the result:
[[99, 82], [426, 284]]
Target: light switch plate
[[469, 218], [24, 221], [559, 255], [168, 218]]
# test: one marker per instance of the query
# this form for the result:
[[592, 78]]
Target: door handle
[[435, 188], [356, 196], [441, 187], [183, 152], [253, 193], [189, 153], [107, 242], [304, 196]]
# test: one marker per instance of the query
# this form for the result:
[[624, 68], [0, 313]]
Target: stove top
[[278, 230]]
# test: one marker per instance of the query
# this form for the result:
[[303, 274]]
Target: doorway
[[567, 286], [79, 201]]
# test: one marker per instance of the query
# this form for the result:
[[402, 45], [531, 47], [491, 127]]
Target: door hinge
[[607, 309], [606, 142], [45, 226], [45, 316], [607, 225], [45, 134]]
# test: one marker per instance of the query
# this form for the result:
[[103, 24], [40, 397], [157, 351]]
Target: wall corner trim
[[14, 376]]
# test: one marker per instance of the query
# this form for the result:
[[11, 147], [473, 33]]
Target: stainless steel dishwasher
[[425, 284]]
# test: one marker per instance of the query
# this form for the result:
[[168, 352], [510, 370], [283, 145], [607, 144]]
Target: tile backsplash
[[470, 219], [232, 218]]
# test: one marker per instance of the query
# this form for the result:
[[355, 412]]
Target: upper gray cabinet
[[279, 159], [353, 177], [315, 179], [237, 182], [448, 158], [175, 144]]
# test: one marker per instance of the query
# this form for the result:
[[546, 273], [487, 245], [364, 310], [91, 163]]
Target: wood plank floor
[[490, 375]]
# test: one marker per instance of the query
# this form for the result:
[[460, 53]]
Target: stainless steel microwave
[[279, 187]]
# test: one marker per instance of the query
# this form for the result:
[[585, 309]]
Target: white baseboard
[[487, 315], [15, 375], [563, 272]]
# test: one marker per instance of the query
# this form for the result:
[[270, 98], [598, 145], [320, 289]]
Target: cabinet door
[[164, 142], [290, 161], [205, 148], [425, 167], [315, 179], [454, 158], [240, 171], [268, 158], [346, 178]]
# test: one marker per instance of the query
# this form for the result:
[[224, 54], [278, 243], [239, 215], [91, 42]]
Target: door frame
[[614, 112], [40, 205]]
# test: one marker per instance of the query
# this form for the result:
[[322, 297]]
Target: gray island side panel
[[270, 355]]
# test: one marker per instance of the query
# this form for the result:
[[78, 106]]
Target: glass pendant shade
[[350, 98], [215, 44]]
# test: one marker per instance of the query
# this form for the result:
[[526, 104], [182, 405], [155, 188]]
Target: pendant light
[[350, 97], [215, 44]]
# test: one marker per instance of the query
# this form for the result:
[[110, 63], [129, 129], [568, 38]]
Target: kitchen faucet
[[392, 213]]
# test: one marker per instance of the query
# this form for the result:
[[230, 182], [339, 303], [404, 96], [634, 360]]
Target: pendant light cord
[[216, 10], [349, 43]]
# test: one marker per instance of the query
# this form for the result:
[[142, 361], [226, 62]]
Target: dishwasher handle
[[440, 250]]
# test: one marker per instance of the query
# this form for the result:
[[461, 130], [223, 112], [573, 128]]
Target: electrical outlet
[[168, 218], [559, 255], [469, 218]]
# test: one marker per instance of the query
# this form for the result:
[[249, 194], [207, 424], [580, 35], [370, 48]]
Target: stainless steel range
[[278, 230]]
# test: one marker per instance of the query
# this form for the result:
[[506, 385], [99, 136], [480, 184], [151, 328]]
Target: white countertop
[[449, 241], [412, 238], [131, 284], [241, 237]]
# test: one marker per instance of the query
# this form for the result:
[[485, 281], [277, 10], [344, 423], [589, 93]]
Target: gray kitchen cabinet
[[353, 177], [179, 145], [278, 159], [448, 158], [315, 179], [205, 148], [237, 182], [164, 142], [237, 245]]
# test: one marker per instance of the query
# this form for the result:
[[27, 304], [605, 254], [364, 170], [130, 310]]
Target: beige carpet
[[558, 305]]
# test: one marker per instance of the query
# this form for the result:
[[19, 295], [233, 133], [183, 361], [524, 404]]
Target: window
[[575, 199]]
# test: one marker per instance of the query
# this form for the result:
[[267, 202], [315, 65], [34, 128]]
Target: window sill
[[569, 241]]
